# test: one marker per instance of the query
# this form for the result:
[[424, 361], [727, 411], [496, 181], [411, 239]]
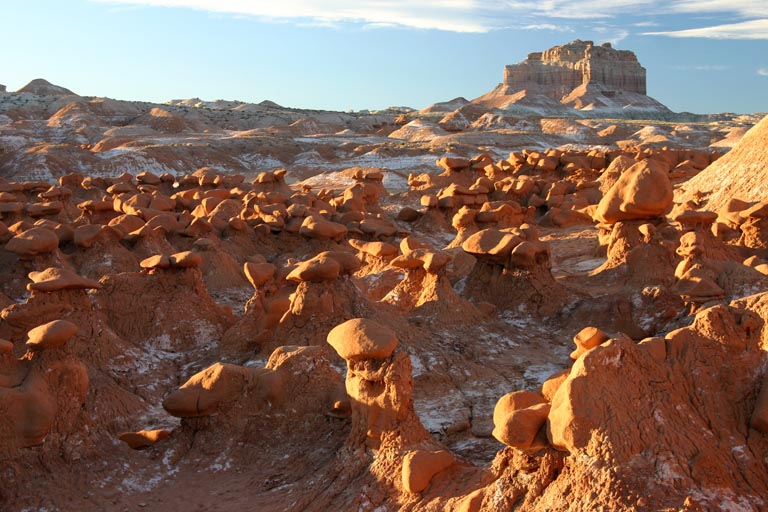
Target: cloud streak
[[749, 17], [762, 71], [546, 26], [754, 29], [449, 15]]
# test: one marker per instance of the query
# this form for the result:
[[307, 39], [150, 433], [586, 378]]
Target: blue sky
[[700, 55]]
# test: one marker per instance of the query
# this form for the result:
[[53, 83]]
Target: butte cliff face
[[577, 75]]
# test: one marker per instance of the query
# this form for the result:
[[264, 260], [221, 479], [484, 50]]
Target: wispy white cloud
[[748, 18], [753, 29], [742, 8], [450, 15], [547, 26], [612, 34], [762, 71]]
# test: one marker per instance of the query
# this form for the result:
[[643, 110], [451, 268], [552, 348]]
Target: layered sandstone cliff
[[578, 75]]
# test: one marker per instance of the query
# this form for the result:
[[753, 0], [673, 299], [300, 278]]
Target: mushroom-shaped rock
[[54, 279], [322, 229], [692, 219], [318, 269], [87, 234], [450, 163], [528, 254], [643, 191], [348, 261], [259, 273], [587, 339], [698, 285], [33, 242], [204, 391], [185, 259], [45, 208], [491, 243], [156, 261], [51, 335], [361, 338], [377, 249], [420, 466], [431, 261], [143, 438]]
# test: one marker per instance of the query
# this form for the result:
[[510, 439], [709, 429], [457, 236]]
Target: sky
[[701, 56]]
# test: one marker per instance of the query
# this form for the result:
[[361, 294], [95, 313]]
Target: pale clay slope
[[742, 173]]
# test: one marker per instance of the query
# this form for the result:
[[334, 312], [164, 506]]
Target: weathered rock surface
[[579, 75], [740, 174]]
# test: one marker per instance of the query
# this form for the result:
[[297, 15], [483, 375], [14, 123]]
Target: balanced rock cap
[[361, 338], [54, 279], [51, 335]]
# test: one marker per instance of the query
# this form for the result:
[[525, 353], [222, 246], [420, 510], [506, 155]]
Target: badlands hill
[[47, 131], [42, 87], [742, 173]]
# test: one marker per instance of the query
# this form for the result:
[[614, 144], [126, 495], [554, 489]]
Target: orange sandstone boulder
[[587, 339], [259, 273], [185, 259], [156, 261], [643, 191], [520, 428], [315, 270], [361, 338], [420, 466], [33, 242], [54, 279], [143, 438], [51, 335], [202, 394]]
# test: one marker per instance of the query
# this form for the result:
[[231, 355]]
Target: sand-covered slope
[[740, 174]]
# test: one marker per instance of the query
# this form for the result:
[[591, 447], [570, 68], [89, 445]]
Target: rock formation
[[197, 319], [578, 76], [740, 174]]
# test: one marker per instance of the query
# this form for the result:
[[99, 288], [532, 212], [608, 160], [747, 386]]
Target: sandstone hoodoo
[[579, 76], [470, 307]]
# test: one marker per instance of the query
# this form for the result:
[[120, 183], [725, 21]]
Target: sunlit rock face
[[561, 69]]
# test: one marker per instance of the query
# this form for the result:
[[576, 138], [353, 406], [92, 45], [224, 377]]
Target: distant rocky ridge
[[42, 87], [47, 130]]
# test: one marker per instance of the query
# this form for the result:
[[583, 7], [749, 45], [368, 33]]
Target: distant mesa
[[576, 76], [2, 88], [42, 87]]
